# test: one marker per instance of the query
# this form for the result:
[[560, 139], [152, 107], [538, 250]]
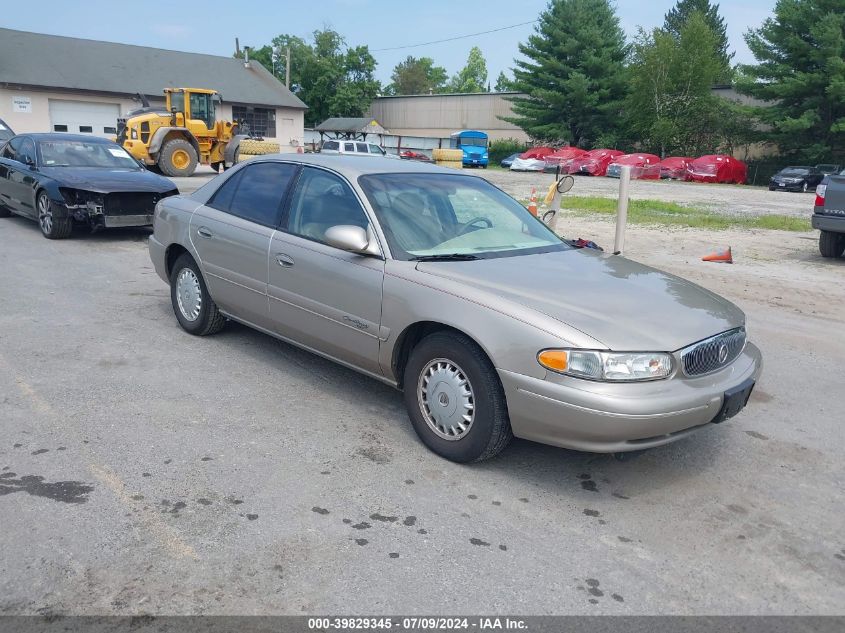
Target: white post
[[622, 209]]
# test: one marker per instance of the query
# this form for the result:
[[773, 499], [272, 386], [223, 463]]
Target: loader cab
[[201, 105]]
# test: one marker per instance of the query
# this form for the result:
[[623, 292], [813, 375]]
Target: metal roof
[[69, 63], [351, 125]]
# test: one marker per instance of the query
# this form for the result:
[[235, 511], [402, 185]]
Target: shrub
[[504, 147]]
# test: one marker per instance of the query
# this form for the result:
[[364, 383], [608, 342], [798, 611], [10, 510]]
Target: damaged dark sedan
[[60, 180]]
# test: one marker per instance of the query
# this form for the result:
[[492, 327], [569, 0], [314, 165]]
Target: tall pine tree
[[801, 73], [677, 17], [573, 74]]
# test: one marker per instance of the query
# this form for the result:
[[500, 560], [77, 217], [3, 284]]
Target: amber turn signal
[[554, 359]]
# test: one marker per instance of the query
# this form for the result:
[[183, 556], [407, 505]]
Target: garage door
[[84, 117]]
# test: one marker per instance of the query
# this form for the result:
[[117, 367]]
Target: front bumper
[[603, 417], [833, 223]]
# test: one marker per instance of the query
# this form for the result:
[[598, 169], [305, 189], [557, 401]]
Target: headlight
[[607, 366]]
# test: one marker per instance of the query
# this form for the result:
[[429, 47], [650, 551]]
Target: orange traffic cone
[[722, 256], [532, 203]]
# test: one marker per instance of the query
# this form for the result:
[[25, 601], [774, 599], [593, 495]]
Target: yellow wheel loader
[[186, 133]]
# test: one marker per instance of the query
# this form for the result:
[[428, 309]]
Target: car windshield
[[480, 142], [5, 132], [426, 215], [68, 153], [795, 171]]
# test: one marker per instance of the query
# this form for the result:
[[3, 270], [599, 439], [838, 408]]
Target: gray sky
[[377, 23]]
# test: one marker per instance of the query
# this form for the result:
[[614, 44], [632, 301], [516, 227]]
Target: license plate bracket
[[734, 401]]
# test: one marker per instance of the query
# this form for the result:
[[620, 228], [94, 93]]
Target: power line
[[452, 39]]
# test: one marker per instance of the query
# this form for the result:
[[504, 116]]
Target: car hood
[[622, 304], [101, 180]]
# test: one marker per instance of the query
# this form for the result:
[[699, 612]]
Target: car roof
[[353, 166]]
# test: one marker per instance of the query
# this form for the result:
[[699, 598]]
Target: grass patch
[[674, 214]]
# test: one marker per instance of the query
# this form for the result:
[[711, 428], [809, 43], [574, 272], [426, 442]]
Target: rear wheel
[[194, 308], [805, 187], [455, 400], [831, 244], [51, 227], [178, 158], [4, 212]]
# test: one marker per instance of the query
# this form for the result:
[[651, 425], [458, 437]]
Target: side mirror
[[348, 238], [27, 160]]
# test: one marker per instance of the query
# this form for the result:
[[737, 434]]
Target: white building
[[63, 84]]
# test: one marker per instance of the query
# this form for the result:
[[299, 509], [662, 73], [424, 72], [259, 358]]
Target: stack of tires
[[254, 147], [453, 158]]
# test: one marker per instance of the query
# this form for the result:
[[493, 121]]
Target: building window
[[255, 121], [109, 130], [60, 128], [86, 128]]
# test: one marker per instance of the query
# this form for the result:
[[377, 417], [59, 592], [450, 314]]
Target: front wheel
[[455, 400], [178, 158], [51, 227], [831, 244], [194, 308]]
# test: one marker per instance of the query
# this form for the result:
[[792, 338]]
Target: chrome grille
[[713, 353]]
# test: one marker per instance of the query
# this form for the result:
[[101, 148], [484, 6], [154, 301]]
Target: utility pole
[[287, 68]]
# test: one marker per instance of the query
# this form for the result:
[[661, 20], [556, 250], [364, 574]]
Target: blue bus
[[474, 145]]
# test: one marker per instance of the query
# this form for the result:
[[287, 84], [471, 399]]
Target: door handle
[[204, 232], [285, 261]]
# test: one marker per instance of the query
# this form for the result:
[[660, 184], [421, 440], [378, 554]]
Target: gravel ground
[[143, 470]]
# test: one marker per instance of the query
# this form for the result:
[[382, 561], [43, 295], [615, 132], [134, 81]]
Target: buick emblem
[[723, 353]]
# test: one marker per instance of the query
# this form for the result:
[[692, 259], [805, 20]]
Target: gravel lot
[[143, 470]]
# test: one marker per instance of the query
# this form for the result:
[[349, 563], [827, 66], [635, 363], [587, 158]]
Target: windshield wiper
[[445, 257]]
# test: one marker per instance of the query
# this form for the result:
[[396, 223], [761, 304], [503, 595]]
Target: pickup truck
[[829, 215]]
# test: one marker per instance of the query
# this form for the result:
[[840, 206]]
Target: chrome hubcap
[[188, 294], [45, 214], [446, 399]]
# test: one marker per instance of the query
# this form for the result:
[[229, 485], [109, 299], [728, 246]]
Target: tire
[[4, 212], [51, 228], [450, 358], [831, 244], [201, 317], [258, 148], [805, 187], [183, 153], [216, 167]]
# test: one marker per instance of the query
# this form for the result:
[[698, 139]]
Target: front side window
[[320, 201], [375, 149], [437, 214], [361, 147], [256, 192], [26, 154]]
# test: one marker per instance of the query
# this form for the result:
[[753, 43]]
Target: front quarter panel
[[510, 335]]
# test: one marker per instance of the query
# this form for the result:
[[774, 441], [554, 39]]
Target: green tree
[[503, 84], [473, 76], [671, 107], [416, 76], [330, 77], [678, 16], [801, 73], [573, 74]]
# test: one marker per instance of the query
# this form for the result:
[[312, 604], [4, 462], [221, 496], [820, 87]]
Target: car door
[[323, 297], [11, 175], [24, 178], [231, 235]]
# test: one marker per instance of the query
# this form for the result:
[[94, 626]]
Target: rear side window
[[256, 192], [349, 147]]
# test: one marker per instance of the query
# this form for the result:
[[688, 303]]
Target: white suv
[[354, 148]]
